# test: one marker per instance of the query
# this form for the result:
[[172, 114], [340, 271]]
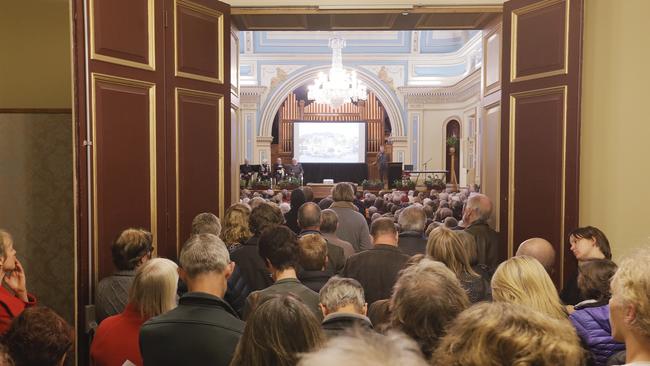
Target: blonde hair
[[154, 287], [343, 192], [445, 246], [631, 284], [495, 334], [5, 239], [235, 224], [523, 280]]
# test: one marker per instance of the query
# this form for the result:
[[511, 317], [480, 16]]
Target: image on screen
[[329, 142]]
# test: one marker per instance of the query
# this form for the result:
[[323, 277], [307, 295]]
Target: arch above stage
[[279, 95]]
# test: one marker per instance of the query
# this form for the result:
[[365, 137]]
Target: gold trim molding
[[151, 89], [178, 92], [151, 39], [514, 76], [511, 163], [220, 38]]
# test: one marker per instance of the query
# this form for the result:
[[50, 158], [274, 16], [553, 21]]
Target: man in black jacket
[[203, 329], [411, 237], [344, 306], [377, 268]]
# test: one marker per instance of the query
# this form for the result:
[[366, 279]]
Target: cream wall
[[615, 131], [35, 62]]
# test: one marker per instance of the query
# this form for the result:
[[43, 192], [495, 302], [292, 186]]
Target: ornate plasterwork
[[251, 95], [465, 89], [274, 75]]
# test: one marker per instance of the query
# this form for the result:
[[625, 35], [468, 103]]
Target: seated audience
[[308, 192], [14, 297], [344, 306], [498, 334], [291, 217], [236, 230], [325, 203], [203, 329], [629, 307], [591, 317], [522, 280], [252, 267], [443, 213], [377, 269], [445, 246], [312, 257], [39, 337], [278, 248], [366, 349], [279, 330], [411, 237], [206, 223], [353, 227], [478, 210], [309, 221], [541, 250], [131, 249], [451, 223], [152, 293], [426, 298], [586, 243], [329, 222]]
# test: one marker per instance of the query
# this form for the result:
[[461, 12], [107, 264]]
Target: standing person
[[591, 317], [15, 299], [328, 224], [309, 221], [280, 330], [153, 293], [278, 247], [353, 227], [411, 237], [291, 217], [586, 243], [477, 212], [203, 329], [344, 307], [382, 163], [629, 307], [377, 269], [129, 251]]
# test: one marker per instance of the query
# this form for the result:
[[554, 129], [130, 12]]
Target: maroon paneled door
[[152, 134], [541, 118], [198, 111]]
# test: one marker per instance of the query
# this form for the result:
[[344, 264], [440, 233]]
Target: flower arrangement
[[289, 183], [372, 184]]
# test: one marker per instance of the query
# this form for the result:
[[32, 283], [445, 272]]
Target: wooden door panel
[[536, 190], [541, 120], [122, 32], [536, 27], [124, 161], [199, 37], [199, 164]]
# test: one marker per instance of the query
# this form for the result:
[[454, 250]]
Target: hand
[[17, 282]]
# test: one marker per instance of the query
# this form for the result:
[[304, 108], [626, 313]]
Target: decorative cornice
[[251, 94], [463, 90]]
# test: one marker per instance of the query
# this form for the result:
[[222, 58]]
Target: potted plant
[[261, 185], [289, 183], [434, 183], [452, 143], [372, 184]]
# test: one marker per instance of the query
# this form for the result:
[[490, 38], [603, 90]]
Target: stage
[[339, 172]]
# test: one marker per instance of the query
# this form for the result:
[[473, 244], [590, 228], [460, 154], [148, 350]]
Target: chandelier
[[338, 86]]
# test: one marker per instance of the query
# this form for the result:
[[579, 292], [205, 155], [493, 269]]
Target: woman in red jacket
[[13, 302], [153, 292]]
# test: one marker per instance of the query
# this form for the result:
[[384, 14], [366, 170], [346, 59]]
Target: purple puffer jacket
[[592, 325]]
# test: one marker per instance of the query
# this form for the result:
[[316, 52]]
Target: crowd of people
[[395, 278]]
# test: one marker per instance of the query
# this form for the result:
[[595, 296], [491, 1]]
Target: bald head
[[309, 216], [541, 250], [478, 207]]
